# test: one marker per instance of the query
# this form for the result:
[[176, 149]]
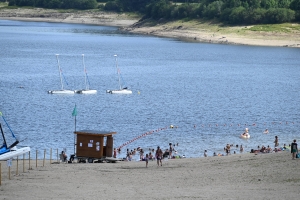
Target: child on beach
[[147, 159], [269, 149], [150, 156]]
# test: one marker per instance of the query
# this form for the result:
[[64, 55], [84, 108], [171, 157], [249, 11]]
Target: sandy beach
[[194, 31], [239, 176]]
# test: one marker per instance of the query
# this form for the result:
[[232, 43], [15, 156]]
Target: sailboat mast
[[4, 141], [118, 72], [84, 70], [62, 86]]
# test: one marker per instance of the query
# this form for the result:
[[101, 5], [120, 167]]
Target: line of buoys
[[140, 136], [207, 125]]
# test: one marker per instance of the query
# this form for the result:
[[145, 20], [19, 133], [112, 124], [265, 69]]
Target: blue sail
[[4, 148]]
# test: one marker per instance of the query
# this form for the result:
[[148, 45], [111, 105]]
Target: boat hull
[[124, 91], [14, 153], [61, 92], [86, 91]]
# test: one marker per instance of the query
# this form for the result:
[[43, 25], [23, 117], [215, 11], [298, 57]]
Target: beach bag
[[298, 155]]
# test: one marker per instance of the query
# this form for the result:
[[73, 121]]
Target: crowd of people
[[263, 149], [159, 154], [171, 153], [227, 150]]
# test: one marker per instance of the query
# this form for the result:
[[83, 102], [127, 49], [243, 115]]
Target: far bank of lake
[[194, 30]]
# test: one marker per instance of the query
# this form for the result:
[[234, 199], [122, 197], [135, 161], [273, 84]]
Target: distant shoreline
[[186, 31]]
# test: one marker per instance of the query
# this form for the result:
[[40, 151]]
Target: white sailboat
[[62, 90], [121, 90], [87, 89]]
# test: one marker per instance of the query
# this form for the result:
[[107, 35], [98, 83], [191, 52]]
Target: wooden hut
[[91, 144]]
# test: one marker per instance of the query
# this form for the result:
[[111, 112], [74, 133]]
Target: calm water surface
[[211, 92]]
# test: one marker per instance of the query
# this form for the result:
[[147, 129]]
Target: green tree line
[[225, 11]]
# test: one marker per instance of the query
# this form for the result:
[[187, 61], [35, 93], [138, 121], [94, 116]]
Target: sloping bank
[[193, 30]]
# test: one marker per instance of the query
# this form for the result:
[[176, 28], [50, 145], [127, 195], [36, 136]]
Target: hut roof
[[94, 132]]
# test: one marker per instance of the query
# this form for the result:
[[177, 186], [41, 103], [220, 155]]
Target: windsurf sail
[[4, 148]]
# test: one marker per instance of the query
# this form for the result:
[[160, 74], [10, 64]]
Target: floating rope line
[[209, 125], [143, 135]]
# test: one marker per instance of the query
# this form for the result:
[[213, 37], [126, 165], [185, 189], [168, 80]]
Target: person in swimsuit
[[227, 149], [241, 148], [158, 156], [205, 153], [276, 141], [266, 131], [170, 151], [147, 159]]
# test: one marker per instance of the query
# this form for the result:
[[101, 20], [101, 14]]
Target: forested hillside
[[225, 11]]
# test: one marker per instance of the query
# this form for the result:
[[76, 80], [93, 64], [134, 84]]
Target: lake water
[[210, 92]]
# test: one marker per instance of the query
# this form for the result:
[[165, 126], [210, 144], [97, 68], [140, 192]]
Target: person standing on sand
[[276, 141], [294, 149], [115, 153], [65, 157], [147, 159], [170, 150], [158, 155], [141, 154]]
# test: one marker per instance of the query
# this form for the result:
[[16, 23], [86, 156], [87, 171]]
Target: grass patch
[[67, 10], [9, 7], [133, 15], [282, 28], [15, 7], [3, 4]]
